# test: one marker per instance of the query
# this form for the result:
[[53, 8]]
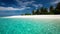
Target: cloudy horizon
[[25, 5]]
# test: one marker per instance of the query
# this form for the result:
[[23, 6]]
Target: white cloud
[[55, 2], [11, 8], [22, 4], [38, 5], [28, 3]]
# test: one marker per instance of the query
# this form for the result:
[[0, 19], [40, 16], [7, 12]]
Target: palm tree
[[57, 9], [33, 12], [44, 10], [37, 12], [51, 10]]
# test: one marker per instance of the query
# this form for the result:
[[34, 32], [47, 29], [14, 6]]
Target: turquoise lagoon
[[29, 26]]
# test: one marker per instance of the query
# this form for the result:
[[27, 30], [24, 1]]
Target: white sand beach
[[35, 16]]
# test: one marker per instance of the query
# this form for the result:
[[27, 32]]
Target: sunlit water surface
[[29, 26]]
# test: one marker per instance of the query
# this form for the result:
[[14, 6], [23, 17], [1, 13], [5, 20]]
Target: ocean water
[[29, 26]]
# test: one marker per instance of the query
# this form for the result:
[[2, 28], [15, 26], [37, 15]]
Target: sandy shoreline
[[35, 16]]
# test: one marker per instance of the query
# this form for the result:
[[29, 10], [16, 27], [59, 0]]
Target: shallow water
[[29, 26]]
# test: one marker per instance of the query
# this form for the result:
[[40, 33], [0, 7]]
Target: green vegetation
[[57, 9], [46, 11]]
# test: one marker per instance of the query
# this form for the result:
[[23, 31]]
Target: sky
[[23, 6]]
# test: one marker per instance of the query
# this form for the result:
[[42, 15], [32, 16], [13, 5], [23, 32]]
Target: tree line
[[46, 11]]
